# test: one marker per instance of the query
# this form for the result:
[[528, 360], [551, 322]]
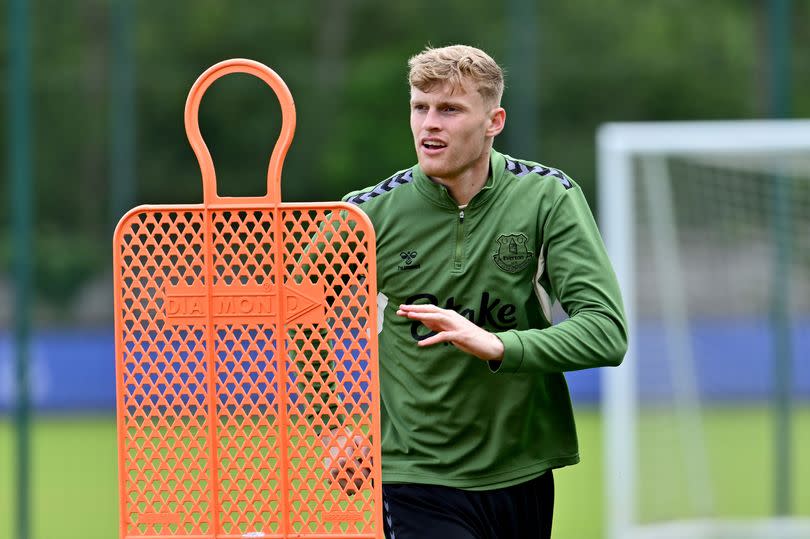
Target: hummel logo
[[408, 257]]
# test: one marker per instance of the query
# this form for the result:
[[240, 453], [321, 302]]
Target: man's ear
[[497, 121]]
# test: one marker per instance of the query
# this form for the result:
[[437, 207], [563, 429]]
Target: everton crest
[[513, 254]]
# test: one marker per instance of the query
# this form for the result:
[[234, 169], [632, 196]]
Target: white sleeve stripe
[[382, 303], [539, 291]]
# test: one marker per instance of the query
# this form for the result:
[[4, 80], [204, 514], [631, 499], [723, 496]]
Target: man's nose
[[431, 122]]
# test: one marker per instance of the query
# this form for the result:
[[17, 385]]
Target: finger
[[415, 313], [424, 317], [425, 308], [442, 336]]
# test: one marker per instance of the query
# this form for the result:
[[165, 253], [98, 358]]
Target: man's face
[[452, 129]]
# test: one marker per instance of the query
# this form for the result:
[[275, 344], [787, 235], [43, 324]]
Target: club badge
[[512, 252]]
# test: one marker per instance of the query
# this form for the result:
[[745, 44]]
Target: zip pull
[[461, 216]]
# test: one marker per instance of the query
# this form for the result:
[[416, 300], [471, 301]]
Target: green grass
[[75, 494], [73, 478]]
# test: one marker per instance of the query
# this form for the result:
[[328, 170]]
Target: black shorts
[[415, 511]]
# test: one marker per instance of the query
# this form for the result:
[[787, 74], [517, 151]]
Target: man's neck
[[465, 186]]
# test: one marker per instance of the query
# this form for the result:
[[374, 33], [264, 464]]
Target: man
[[473, 247]]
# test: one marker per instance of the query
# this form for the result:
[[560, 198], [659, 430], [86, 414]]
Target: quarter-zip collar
[[437, 193]]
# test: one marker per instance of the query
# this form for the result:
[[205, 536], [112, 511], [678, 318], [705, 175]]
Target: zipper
[[458, 258]]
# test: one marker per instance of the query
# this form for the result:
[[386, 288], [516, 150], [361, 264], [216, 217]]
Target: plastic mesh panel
[[246, 360]]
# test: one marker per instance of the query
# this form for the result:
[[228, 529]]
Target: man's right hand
[[347, 459]]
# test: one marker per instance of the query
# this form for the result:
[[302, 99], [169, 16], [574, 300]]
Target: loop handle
[[257, 69]]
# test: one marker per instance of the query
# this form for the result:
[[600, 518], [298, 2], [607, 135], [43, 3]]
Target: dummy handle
[[257, 69]]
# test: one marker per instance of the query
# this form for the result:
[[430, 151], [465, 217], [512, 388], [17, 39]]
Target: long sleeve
[[580, 275]]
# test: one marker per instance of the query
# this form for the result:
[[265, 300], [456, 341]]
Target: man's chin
[[431, 168]]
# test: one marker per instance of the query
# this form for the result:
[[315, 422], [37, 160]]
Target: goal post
[[708, 227]]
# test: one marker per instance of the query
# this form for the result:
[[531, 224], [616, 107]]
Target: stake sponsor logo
[[490, 312]]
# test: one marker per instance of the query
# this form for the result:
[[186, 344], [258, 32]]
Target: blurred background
[[106, 81]]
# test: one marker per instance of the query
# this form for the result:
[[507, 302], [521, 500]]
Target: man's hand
[[457, 330], [347, 458]]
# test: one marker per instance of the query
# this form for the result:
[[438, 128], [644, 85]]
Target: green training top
[[526, 239]]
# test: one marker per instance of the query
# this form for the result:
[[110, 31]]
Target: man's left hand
[[455, 329]]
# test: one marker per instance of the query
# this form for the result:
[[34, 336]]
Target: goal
[[706, 424]]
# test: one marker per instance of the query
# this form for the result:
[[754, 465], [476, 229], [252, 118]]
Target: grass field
[[74, 476]]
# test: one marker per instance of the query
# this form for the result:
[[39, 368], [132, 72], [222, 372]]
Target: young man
[[473, 247]]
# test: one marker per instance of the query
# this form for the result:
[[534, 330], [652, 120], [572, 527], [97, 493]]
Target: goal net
[[707, 422]]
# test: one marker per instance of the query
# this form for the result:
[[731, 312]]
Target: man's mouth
[[433, 144]]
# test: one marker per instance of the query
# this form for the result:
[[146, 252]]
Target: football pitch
[[74, 472]]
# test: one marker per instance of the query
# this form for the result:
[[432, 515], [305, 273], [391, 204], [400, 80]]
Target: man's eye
[[419, 108], [450, 109]]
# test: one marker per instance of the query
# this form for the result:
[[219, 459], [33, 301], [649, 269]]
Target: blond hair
[[454, 64]]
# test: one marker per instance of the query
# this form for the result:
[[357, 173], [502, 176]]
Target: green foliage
[[62, 263], [345, 62]]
